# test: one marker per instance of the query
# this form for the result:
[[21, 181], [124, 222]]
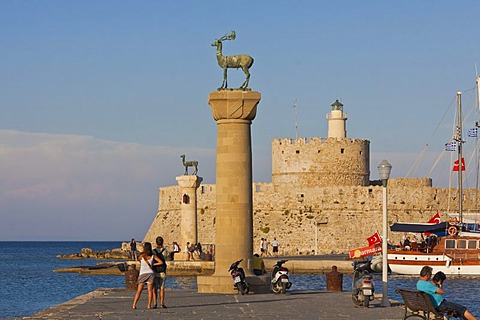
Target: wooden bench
[[419, 304]]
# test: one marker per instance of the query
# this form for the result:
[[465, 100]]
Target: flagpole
[[460, 164]]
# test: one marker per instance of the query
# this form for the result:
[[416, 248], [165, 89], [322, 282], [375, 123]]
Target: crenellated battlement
[[314, 141]]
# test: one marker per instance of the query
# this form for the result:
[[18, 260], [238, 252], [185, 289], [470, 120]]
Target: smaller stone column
[[188, 211]]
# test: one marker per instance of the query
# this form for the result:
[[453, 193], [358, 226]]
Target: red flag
[[374, 239], [435, 218], [455, 165]]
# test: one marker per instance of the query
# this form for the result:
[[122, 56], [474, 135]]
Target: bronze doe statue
[[239, 61], [187, 164]]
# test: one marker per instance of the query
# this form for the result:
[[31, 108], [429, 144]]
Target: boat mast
[[460, 164], [477, 125], [478, 92]]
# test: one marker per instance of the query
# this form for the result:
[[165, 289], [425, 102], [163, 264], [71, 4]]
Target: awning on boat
[[419, 227]]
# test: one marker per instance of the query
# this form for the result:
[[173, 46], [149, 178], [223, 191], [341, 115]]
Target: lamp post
[[384, 169]]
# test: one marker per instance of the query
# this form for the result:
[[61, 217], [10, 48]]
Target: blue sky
[[98, 99]]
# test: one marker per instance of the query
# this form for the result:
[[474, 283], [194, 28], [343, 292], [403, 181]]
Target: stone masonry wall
[[331, 219], [320, 162]]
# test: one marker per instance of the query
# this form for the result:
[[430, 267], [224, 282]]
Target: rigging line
[[435, 164], [467, 165], [411, 172], [472, 110], [413, 168]]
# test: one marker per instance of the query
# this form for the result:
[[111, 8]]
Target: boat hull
[[411, 263]]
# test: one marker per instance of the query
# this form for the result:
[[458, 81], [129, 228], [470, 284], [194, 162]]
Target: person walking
[[146, 275], [160, 274], [275, 247], [262, 247], [265, 247], [436, 293]]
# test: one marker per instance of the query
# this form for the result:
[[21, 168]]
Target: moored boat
[[450, 249]]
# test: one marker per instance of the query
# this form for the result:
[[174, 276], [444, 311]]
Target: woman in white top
[[146, 275]]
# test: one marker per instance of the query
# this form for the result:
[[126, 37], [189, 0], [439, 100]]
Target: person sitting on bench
[[435, 292]]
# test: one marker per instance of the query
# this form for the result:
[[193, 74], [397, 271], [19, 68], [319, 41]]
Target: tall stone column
[[233, 110], [188, 210]]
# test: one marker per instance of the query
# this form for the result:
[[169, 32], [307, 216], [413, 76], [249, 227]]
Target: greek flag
[[472, 133], [451, 146]]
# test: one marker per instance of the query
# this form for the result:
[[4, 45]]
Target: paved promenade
[[117, 304]]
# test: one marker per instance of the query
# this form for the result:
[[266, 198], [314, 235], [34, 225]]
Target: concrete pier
[[107, 304]]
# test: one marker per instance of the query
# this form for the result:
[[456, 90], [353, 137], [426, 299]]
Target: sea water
[[29, 285]]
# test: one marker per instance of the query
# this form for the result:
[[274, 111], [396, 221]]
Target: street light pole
[[384, 169]]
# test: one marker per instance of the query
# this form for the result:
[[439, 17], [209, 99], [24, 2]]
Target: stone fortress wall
[[307, 218], [321, 199]]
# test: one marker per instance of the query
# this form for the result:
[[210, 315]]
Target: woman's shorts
[[146, 278]]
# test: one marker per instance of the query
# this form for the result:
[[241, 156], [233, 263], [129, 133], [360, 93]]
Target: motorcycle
[[238, 276], [280, 282], [362, 284]]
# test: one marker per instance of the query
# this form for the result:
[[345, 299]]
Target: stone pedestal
[[188, 210], [233, 110]]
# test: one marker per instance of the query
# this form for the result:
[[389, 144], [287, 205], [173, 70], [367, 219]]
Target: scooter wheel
[[366, 301], [284, 288], [355, 298], [276, 288], [240, 288]]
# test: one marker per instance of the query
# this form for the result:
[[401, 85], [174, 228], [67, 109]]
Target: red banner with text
[[365, 251]]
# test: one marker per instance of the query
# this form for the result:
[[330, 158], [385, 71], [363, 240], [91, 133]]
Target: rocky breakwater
[[105, 268], [175, 268], [87, 253]]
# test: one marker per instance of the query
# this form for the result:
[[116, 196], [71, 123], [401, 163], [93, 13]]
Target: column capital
[[234, 104], [187, 181]]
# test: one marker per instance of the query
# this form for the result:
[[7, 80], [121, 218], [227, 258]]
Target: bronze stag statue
[[187, 164], [239, 61]]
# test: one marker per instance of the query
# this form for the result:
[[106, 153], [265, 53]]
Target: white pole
[[385, 301], [478, 92], [459, 158]]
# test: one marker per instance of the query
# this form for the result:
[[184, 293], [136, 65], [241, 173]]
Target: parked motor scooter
[[362, 284], [280, 281], [238, 276]]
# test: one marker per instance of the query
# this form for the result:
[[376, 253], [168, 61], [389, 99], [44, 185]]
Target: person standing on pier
[[146, 276], [133, 250], [160, 274]]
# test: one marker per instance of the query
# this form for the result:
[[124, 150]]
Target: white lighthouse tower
[[337, 121]]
